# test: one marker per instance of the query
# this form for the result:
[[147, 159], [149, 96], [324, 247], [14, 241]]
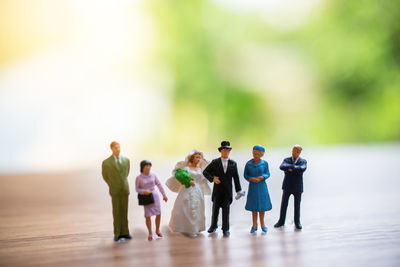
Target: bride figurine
[[188, 213]]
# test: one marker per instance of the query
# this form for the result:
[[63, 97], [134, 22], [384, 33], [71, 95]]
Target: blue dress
[[258, 199]]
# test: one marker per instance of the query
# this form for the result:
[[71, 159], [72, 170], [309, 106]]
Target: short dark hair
[[144, 163]]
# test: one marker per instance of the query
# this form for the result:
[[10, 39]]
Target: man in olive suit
[[115, 171]]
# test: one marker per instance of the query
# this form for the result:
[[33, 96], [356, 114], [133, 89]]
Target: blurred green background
[[166, 76], [349, 90]]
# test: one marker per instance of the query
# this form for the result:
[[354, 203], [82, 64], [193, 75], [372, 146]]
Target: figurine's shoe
[[226, 233], [212, 229], [116, 238], [279, 224], [264, 229], [126, 236], [253, 230], [298, 226], [159, 235], [150, 238]]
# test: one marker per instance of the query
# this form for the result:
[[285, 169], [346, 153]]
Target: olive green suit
[[116, 175]]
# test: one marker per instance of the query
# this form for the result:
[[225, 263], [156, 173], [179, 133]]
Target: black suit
[[292, 185], [222, 193]]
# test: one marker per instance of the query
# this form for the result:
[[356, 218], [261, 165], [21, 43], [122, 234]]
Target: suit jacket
[[116, 178], [222, 193], [293, 180]]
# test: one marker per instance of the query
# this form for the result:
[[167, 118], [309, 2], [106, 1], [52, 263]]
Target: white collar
[[224, 159]]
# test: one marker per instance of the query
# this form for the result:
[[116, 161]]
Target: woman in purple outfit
[[145, 185]]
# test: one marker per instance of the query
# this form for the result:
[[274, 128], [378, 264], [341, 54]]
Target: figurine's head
[[258, 152], [225, 153], [296, 151], [195, 158], [115, 148], [145, 167], [225, 149]]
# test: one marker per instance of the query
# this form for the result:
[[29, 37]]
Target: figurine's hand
[[240, 194], [260, 178], [165, 198], [290, 170], [192, 183], [254, 179], [146, 192], [216, 180]]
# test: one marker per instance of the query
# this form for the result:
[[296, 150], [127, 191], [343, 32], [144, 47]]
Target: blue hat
[[258, 147]]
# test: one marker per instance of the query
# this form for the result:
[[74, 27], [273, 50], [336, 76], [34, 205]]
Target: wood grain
[[350, 214]]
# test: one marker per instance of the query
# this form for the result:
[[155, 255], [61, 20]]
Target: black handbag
[[145, 199]]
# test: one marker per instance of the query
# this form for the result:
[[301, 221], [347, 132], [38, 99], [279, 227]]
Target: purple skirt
[[153, 209]]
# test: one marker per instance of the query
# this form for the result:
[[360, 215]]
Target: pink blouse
[[148, 182]]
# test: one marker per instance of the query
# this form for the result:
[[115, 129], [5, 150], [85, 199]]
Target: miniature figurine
[[188, 214], [258, 202], [115, 170], [221, 171], [145, 187], [293, 167]]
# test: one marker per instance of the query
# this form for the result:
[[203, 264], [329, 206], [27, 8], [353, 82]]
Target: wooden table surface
[[350, 215]]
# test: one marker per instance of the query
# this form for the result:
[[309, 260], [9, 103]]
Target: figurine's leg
[[225, 217], [124, 215], [284, 204], [262, 219], [297, 200], [215, 213], [148, 224], [116, 215], [254, 216], [158, 221]]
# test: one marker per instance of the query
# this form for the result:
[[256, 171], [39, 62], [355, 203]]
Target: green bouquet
[[183, 177]]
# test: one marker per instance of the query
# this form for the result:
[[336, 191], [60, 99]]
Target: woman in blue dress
[[258, 200]]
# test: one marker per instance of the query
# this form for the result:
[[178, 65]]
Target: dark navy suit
[[292, 185]]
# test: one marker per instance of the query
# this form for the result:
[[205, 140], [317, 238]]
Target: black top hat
[[225, 144]]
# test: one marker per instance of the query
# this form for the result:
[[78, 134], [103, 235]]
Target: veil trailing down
[[188, 214]]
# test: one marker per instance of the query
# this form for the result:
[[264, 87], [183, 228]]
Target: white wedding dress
[[188, 214]]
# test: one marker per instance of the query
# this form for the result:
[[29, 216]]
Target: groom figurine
[[222, 171], [293, 167], [115, 171]]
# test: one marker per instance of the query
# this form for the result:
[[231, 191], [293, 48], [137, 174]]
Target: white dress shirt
[[225, 164]]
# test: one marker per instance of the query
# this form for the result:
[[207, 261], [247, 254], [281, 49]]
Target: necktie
[[119, 164]]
